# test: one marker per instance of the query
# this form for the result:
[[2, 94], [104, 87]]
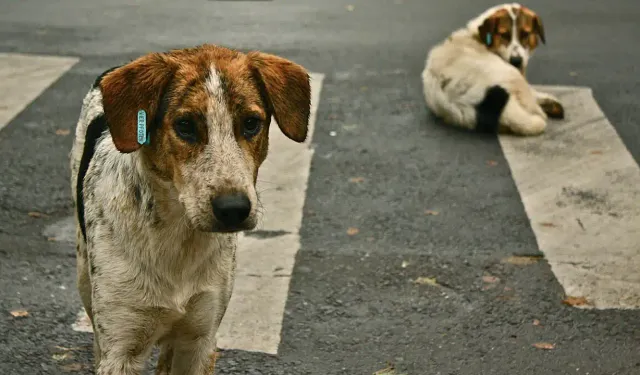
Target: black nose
[[516, 61], [231, 210]]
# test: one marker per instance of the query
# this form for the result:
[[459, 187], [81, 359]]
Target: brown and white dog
[[476, 78], [158, 210]]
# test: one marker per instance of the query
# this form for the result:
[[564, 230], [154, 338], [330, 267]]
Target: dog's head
[[208, 113], [511, 31]]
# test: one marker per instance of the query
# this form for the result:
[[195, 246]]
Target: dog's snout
[[516, 61], [231, 209]]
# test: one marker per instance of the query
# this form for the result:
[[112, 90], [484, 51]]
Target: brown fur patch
[[500, 26], [186, 98], [529, 26], [245, 100], [126, 90], [553, 109], [213, 358], [289, 92]]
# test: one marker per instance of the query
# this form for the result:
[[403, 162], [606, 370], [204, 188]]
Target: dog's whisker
[[266, 190], [265, 181]]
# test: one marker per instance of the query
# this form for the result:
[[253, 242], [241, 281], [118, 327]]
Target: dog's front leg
[[194, 345], [194, 357], [550, 105], [165, 360], [125, 337]]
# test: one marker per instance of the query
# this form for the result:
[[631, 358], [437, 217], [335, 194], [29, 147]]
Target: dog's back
[[91, 109]]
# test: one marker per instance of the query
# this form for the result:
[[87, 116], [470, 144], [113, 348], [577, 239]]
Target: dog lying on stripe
[[476, 78], [164, 165]]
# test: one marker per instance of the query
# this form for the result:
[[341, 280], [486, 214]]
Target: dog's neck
[[465, 36], [157, 197]]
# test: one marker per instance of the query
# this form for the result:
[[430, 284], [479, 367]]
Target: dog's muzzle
[[231, 210], [516, 61]]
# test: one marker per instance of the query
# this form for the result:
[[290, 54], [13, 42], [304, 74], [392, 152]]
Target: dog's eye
[[186, 129], [524, 34], [251, 126]]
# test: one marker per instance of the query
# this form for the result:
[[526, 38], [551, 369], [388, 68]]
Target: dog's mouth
[[218, 228], [232, 225], [232, 213], [209, 223]]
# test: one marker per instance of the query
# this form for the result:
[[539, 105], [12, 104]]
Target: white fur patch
[[218, 115], [220, 124]]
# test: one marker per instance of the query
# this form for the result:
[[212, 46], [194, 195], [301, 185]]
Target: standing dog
[[164, 166], [475, 79]]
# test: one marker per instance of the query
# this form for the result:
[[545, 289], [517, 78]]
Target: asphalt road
[[352, 307]]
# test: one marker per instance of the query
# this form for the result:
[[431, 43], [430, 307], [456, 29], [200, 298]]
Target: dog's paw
[[552, 108]]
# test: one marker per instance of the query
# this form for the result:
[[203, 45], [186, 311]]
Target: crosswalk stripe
[[580, 188], [24, 77], [265, 258]]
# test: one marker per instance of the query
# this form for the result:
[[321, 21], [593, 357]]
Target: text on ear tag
[[143, 137]]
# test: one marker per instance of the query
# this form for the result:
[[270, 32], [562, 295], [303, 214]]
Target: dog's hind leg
[[550, 105], [84, 288], [83, 279], [519, 121]]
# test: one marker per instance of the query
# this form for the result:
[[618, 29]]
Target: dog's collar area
[[143, 136]]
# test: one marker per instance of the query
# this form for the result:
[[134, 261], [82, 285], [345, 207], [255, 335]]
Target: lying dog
[[164, 166], [476, 78]]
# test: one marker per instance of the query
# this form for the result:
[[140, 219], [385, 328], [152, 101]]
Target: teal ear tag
[[143, 136], [488, 39]]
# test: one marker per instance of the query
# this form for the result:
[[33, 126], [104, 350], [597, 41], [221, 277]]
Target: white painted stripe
[[24, 77], [581, 188], [253, 321], [82, 323]]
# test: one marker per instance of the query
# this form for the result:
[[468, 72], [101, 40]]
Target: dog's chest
[[190, 267], [172, 269], [158, 263], [140, 245]]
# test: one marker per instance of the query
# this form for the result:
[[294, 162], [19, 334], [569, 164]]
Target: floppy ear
[[139, 85], [288, 90], [538, 28], [487, 31]]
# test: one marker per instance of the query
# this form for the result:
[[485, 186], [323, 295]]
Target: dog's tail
[[489, 110]]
